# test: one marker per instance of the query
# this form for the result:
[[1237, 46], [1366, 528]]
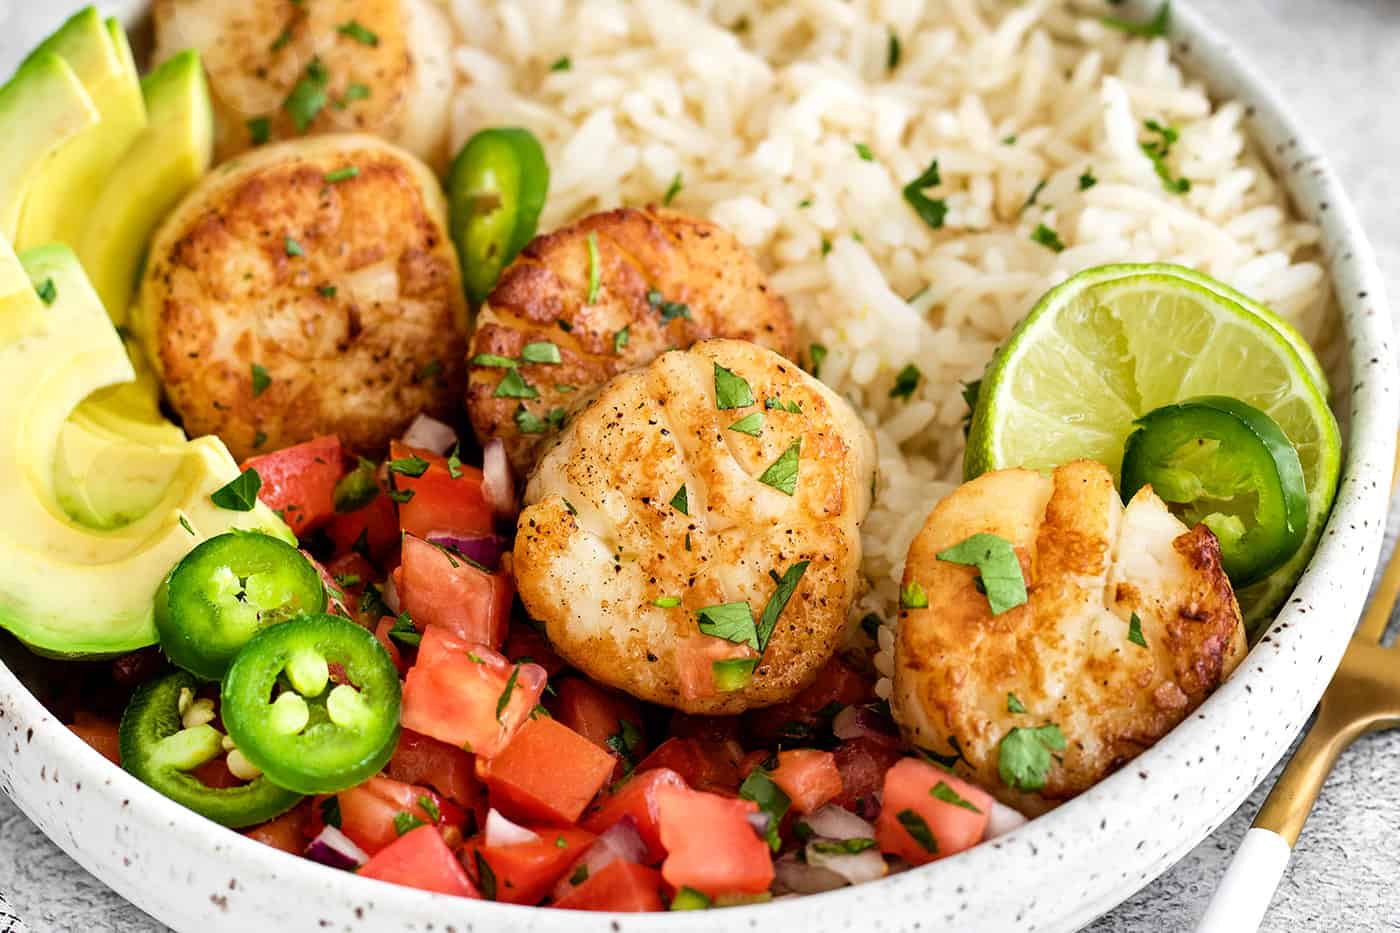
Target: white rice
[[759, 105]]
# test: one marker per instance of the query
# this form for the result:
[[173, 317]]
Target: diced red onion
[[428, 433], [854, 868], [497, 485], [621, 842], [760, 823], [332, 847], [390, 593], [1002, 820], [833, 822], [484, 549], [791, 875], [857, 722], [502, 832]]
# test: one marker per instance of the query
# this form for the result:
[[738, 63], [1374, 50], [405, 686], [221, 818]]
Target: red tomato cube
[[621, 887], [809, 778], [598, 715], [420, 859], [441, 504], [437, 587], [421, 759], [929, 814], [863, 763], [637, 799], [705, 764], [710, 844], [548, 772], [468, 695], [375, 527], [836, 684], [369, 811], [287, 832], [525, 872], [299, 482], [523, 642]]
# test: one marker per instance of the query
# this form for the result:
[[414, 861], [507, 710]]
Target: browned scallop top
[[307, 289], [664, 281]]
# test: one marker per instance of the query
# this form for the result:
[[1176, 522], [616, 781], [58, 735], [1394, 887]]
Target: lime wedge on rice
[[1113, 343]]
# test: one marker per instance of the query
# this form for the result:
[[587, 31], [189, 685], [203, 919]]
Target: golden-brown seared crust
[[1089, 565], [599, 539], [256, 52], [645, 258], [346, 293]]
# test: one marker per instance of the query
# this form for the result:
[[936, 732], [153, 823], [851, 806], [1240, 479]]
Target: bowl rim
[[1352, 538]]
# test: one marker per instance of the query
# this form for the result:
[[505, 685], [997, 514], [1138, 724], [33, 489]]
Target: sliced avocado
[[57, 204], [41, 108], [163, 164], [66, 588]]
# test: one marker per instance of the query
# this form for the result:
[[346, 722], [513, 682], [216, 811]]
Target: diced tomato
[[710, 728], [421, 759], [912, 804], [524, 643], [525, 872], [441, 504], [598, 714], [368, 810], [299, 482], [100, 733], [809, 777], [836, 684], [710, 844], [377, 523], [351, 573], [637, 799], [704, 764], [863, 763], [438, 588], [456, 693], [381, 632], [288, 832], [420, 859], [621, 887], [215, 773], [548, 773], [695, 658]]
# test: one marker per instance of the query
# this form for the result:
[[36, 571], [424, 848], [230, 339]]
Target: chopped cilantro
[[595, 269], [1048, 238], [281, 41], [997, 565], [782, 474], [408, 466], [677, 183], [761, 789], [308, 96], [932, 211], [541, 351], [491, 359], [841, 846], [626, 741], [670, 310], [185, 524], [354, 92], [777, 602], [918, 830], [816, 355], [1014, 704], [504, 701], [751, 424], [731, 391], [261, 380], [454, 461], [327, 291], [529, 423], [241, 493], [342, 174], [731, 621], [1023, 756], [777, 404], [47, 291], [893, 52], [259, 130], [942, 791], [1087, 180], [404, 631], [906, 382], [291, 247], [1156, 26], [356, 489], [515, 386], [621, 337], [1157, 150], [562, 64], [1135, 631], [864, 152], [1034, 195], [485, 876], [330, 811], [354, 30], [681, 501], [579, 876]]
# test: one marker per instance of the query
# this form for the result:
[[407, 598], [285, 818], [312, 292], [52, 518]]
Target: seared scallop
[[610, 292], [283, 68], [309, 288], [1129, 625], [697, 482]]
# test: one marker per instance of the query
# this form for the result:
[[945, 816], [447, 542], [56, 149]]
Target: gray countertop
[[1338, 62]]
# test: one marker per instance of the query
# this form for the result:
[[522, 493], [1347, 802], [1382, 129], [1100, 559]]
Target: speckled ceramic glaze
[[1055, 873]]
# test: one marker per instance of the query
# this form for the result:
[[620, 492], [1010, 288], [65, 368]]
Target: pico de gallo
[[376, 700]]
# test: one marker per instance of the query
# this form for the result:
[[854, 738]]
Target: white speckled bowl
[[1056, 873]]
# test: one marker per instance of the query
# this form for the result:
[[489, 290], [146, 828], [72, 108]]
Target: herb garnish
[[842, 846], [932, 211], [308, 96], [492, 359], [1135, 631], [405, 822], [291, 247], [918, 830], [595, 270], [782, 474], [893, 52], [777, 404], [670, 310], [541, 351], [430, 807], [913, 596], [731, 621], [864, 152], [998, 566], [404, 631], [1157, 150], [515, 386], [529, 423], [1156, 26], [259, 130], [562, 64], [579, 876], [47, 291], [625, 742], [666, 602], [281, 41], [185, 524], [359, 33], [504, 701], [330, 811], [621, 337], [970, 391], [354, 92], [731, 391], [1023, 756], [241, 494], [941, 791], [1087, 180], [413, 467], [485, 876], [356, 489], [261, 380], [1048, 238], [681, 501], [751, 424], [816, 355], [1033, 196], [677, 184], [342, 174], [326, 291], [906, 382], [771, 799], [777, 602], [1014, 704]]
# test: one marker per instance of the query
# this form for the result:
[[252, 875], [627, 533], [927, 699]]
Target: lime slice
[[1103, 349]]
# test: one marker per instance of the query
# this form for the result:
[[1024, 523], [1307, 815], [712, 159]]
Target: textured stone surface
[[1336, 62]]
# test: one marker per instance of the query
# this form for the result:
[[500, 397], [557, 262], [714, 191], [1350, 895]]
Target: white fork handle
[[1249, 884]]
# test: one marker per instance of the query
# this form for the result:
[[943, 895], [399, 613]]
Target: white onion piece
[[857, 722], [835, 822], [428, 433], [1002, 820], [390, 593], [760, 822], [855, 868], [621, 842], [502, 832], [797, 877], [497, 485], [332, 847]]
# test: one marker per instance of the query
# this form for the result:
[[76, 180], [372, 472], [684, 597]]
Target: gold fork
[[1364, 696]]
